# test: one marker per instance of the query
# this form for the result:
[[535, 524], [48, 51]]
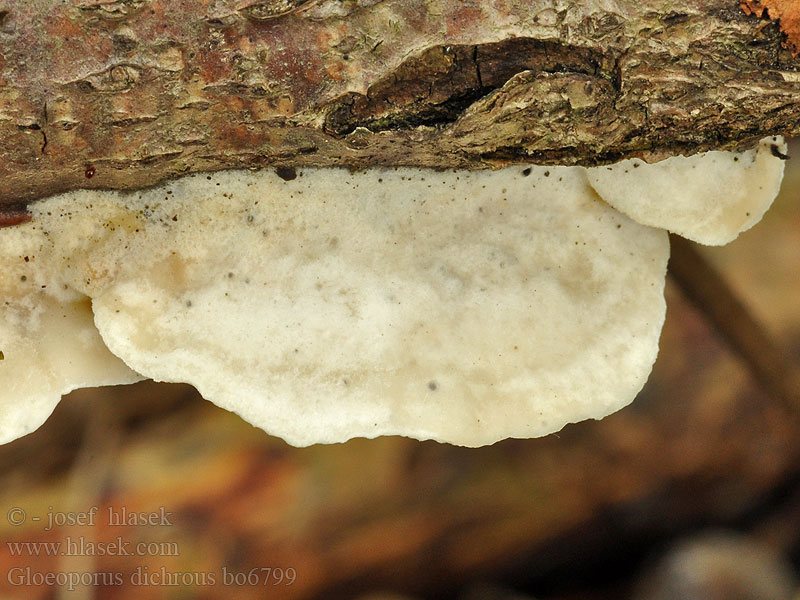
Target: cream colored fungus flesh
[[465, 307]]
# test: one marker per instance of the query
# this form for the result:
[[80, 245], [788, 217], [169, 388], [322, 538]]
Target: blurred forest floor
[[586, 513]]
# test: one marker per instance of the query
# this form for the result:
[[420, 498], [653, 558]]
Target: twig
[[707, 289]]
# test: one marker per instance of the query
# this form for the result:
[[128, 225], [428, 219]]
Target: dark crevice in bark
[[437, 87]]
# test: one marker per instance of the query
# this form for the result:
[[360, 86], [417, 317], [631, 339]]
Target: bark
[[125, 93]]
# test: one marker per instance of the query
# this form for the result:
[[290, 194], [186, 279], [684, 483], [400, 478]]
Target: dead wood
[[125, 93]]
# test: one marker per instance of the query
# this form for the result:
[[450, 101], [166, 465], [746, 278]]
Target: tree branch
[[708, 290], [135, 91]]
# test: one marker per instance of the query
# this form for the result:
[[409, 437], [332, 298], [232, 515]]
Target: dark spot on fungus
[[526, 172], [776, 152], [432, 386], [547, 173], [90, 171], [286, 173], [2, 356]]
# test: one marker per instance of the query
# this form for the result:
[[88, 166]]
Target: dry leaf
[[787, 11]]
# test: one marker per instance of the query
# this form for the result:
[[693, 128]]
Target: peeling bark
[[136, 91]]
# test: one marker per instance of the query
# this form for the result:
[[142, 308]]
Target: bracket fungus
[[464, 307], [708, 198]]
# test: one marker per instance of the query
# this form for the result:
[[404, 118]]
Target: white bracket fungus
[[709, 198], [465, 307], [48, 343]]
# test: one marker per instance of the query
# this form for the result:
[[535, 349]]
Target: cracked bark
[[125, 93]]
